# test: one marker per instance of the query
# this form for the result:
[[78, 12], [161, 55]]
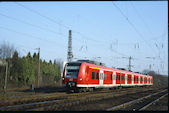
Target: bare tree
[[6, 50]]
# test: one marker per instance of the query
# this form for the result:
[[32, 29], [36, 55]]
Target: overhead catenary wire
[[29, 35], [135, 27], [132, 25], [141, 18], [52, 20], [77, 32], [36, 12], [36, 26]]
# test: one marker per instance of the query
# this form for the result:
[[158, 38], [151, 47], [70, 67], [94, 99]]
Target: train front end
[[70, 75]]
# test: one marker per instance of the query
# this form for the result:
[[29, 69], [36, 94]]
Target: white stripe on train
[[114, 85]]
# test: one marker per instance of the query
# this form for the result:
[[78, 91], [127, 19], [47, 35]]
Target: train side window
[[128, 78], [122, 77], [111, 76], [105, 76], [93, 75], [117, 77], [97, 75]]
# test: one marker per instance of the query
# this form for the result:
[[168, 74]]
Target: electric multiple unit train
[[84, 75]]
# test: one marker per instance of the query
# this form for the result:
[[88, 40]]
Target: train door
[[141, 79], [101, 78], [122, 78], [118, 80], [145, 80], [129, 79]]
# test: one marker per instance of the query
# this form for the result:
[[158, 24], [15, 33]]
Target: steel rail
[[133, 101], [74, 102], [33, 94], [143, 108], [36, 103], [30, 104]]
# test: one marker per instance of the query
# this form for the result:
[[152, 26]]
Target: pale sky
[[102, 31]]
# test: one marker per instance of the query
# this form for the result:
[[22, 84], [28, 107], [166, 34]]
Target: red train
[[84, 75]]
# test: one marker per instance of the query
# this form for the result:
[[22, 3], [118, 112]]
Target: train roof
[[102, 65], [114, 69]]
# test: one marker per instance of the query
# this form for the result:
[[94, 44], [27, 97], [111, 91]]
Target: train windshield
[[72, 70]]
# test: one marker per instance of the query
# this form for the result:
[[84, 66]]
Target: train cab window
[[111, 76], [105, 76], [93, 75], [97, 75]]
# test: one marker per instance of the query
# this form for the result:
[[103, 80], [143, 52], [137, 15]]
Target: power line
[[131, 24], [36, 26], [52, 20], [140, 17], [62, 25], [29, 35]]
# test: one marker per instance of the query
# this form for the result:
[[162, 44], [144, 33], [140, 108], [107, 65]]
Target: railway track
[[82, 101], [140, 103], [153, 102], [22, 98], [64, 100]]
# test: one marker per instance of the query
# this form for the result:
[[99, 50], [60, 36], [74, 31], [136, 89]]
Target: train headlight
[[80, 79]]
